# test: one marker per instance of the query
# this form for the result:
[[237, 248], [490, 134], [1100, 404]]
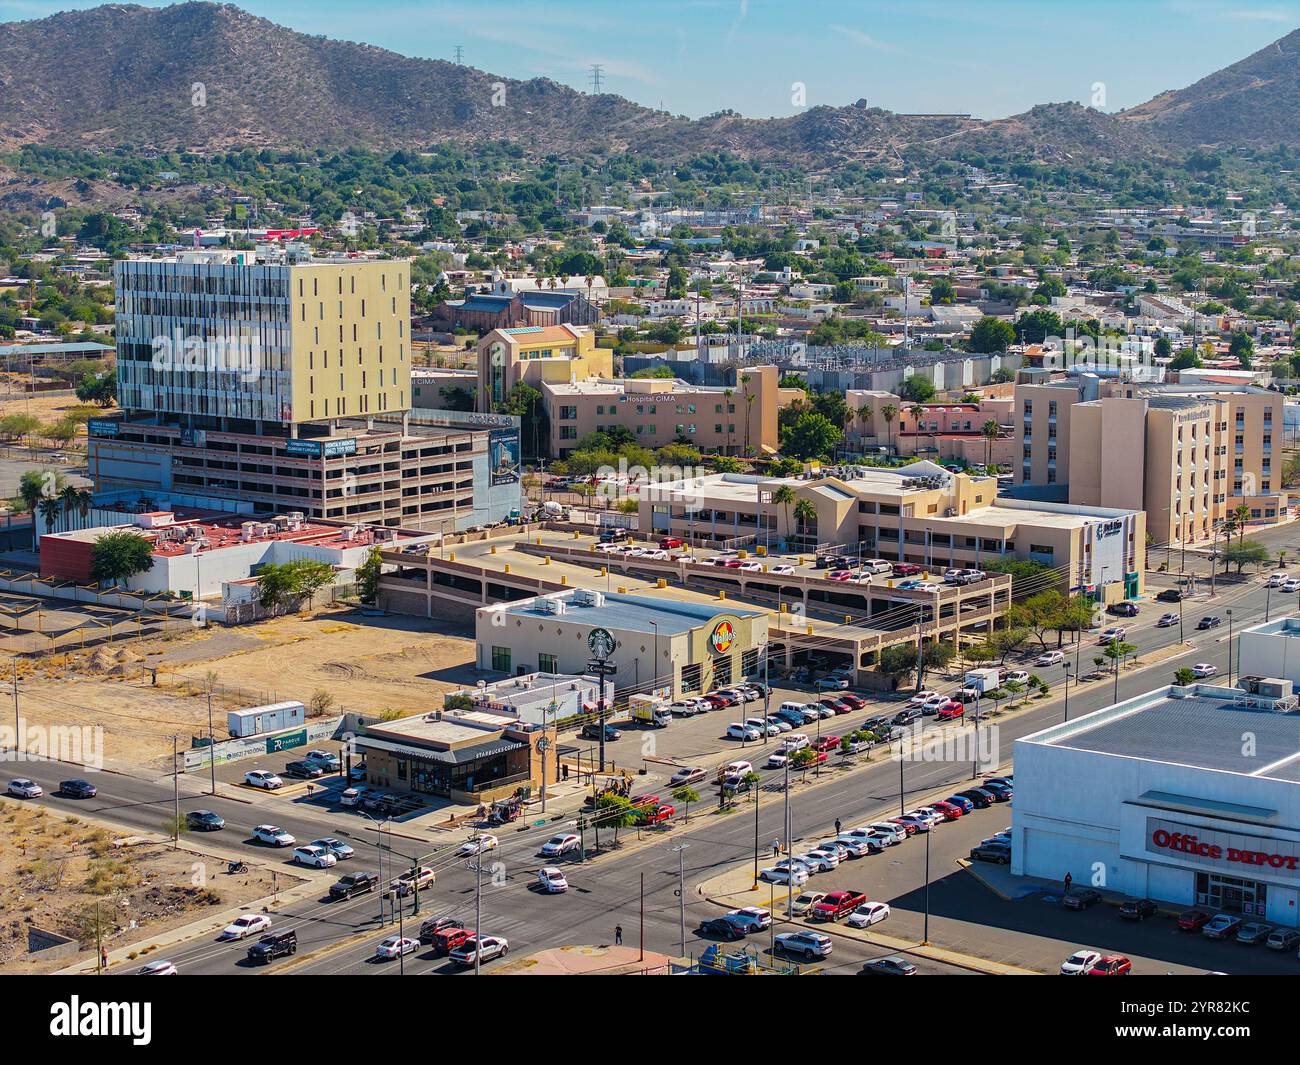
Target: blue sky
[[988, 57]]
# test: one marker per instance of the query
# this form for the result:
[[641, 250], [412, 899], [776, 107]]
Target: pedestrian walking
[[618, 935], [310, 789], [103, 957], [837, 826], [776, 848], [1068, 881]]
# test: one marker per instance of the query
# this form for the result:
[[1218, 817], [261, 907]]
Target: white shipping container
[[273, 717]]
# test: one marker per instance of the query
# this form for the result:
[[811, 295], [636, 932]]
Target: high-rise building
[[274, 381]]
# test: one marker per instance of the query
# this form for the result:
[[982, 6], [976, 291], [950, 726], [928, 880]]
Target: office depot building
[[1188, 796]]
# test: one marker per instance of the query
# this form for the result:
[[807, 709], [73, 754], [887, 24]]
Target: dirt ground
[[55, 869], [372, 665]]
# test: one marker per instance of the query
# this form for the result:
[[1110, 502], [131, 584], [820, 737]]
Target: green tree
[[917, 389], [783, 497], [289, 584], [991, 334], [1184, 676], [118, 556], [813, 436], [1242, 348], [889, 412], [367, 576], [686, 795], [1245, 553]]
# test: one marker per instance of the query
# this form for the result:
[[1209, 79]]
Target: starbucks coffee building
[[643, 644]]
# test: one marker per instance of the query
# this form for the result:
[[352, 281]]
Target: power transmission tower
[[460, 54], [597, 78]]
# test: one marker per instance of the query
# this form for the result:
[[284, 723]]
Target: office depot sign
[[1229, 851]]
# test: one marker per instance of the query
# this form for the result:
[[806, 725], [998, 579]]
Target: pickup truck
[[353, 884], [838, 904], [420, 878]]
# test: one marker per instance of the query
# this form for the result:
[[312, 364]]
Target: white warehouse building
[[1185, 795]]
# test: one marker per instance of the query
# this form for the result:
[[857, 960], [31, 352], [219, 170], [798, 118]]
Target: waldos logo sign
[[722, 637], [601, 643]]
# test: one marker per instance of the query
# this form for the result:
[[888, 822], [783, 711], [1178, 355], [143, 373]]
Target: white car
[[831, 684], [750, 566], [929, 815], [782, 571], [250, 924], [737, 731], [1205, 669], [1166, 620], [1292, 585], [1079, 962], [656, 554], [819, 860], [552, 880], [922, 824], [1115, 632], [770, 727], [796, 741], [773, 875], [927, 586], [685, 708], [778, 759], [1017, 676], [867, 914], [557, 846], [263, 778], [1275, 579], [923, 697], [314, 856], [158, 968], [277, 837], [477, 845], [878, 565], [22, 788], [336, 847], [750, 918], [396, 947], [889, 830], [1049, 658]]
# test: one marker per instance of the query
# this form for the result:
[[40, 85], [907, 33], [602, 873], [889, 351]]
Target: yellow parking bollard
[[722, 595], [546, 560], [848, 619], [564, 580], [451, 557], [576, 534], [492, 550], [505, 568], [622, 590], [785, 608], [604, 571], [661, 583], [810, 632]]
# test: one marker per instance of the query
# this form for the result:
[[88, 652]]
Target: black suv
[[353, 884], [272, 945], [1137, 909], [205, 821], [434, 925], [305, 770], [1209, 622], [981, 798], [720, 928], [1170, 595]]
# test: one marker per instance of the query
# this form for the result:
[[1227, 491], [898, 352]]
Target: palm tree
[[804, 513], [889, 412], [783, 497], [918, 413], [49, 508], [1242, 514], [749, 404], [726, 413], [864, 416], [990, 430]]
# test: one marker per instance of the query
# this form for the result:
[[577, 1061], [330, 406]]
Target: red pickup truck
[[448, 939], [838, 904]]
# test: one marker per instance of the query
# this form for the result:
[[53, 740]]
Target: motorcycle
[[236, 867]]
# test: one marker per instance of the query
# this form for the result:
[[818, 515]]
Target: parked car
[[807, 945], [327, 760], [277, 837], [838, 904], [591, 731], [273, 946], [1080, 962], [1111, 965], [1210, 621], [867, 914], [1081, 900], [1137, 909], [350, 884], [992, 852], [304, 770], [249, 924], [1123, 609], [1050, 658], [960, 801], [263, 778], [78, 789], [949, 810], [1221, 926], [1193, 920], [667, 543], [1252, 932], [1169, 595], [893, 966], [746, 733], [204, 821], [22, 788], [1283, 939], [831, 684], [980, 798]]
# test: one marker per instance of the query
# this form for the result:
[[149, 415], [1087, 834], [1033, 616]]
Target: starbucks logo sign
[[601, 643]]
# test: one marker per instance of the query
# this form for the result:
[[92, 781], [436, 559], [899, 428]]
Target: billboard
[[503, 456], [103, 426], [316, 448]]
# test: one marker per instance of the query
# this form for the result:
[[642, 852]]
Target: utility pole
[[681, 896], [789, 847], [478, 914], [597, 78], [176, 798], [459, 52], [212, 751], [18, 724], [641, 934]]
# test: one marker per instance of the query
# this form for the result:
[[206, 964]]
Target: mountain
[[213, 76], [1251, 103]]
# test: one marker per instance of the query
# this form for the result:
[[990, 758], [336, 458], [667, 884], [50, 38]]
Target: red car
[[1193, 920], [1111, 965], [731, 563], [907, 569], [656, 815], [950, 811], [949, 710], [826, 743], [719, 701], [838, 705], [448, 939], [855, 701], [840, 575], [666, 543], [911, 830], [838, 904]]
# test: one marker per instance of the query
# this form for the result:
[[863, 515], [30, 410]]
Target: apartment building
[[1041, 421], [729, 420], [272, 381], [921, 513], [945, 431], [535, 355]]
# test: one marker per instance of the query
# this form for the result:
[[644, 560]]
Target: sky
[[989, 58]]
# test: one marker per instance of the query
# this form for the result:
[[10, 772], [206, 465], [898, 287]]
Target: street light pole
[[1229, 613], [1067, 691], [925, 936], [681, 896]]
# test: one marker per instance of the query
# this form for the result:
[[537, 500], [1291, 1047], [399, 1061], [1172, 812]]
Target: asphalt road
[[608, 890]]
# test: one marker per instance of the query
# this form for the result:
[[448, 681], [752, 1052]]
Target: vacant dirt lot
[[60, 875], [372, 665]]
